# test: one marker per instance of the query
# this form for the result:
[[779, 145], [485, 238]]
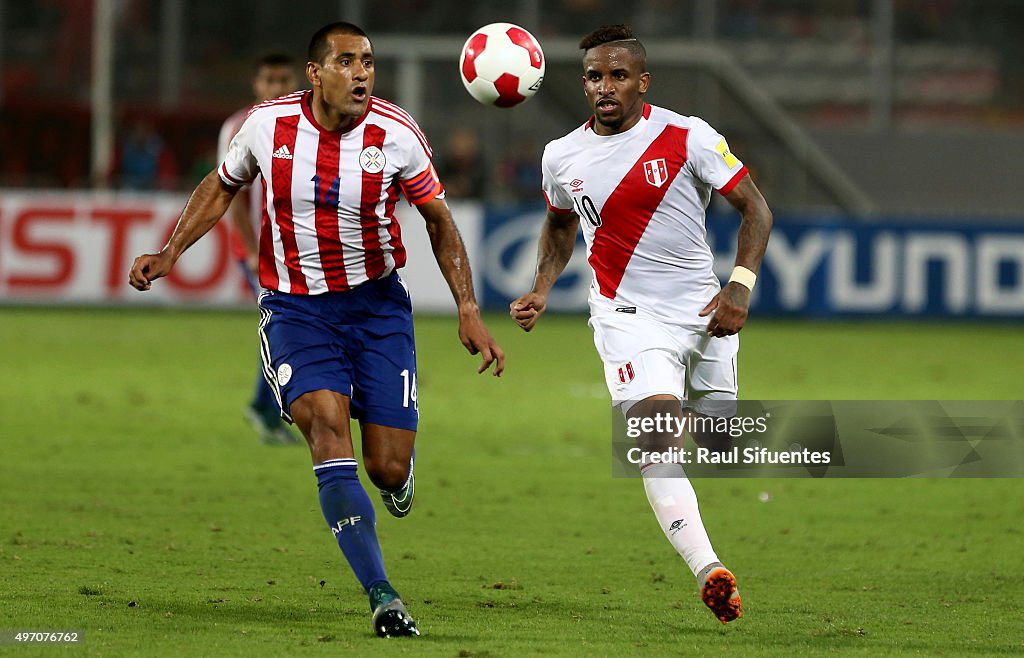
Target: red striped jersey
[[329, 218], [253, 202], [641, 197]]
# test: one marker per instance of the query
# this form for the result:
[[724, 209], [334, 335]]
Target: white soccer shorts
[[644, 357]]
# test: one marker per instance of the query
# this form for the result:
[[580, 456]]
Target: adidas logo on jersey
[[283, 153]]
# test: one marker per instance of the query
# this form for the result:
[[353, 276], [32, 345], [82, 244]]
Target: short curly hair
[[620, 36]]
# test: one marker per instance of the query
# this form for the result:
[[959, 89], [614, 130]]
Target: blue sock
[[262, 395], [350, 516]]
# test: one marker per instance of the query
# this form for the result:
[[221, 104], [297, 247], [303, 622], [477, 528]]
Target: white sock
[[675, 504]]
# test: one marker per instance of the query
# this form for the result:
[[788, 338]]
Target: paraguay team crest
[[284, 374], [656, 172], [372, 160]]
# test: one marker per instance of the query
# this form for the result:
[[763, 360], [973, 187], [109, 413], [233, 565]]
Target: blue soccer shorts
[[358, 343]]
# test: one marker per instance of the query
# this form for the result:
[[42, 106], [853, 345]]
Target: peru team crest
[[656, 172], [626, 373]]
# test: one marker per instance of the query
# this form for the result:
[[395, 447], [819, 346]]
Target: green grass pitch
[[137, 507]]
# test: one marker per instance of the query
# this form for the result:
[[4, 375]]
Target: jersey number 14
[[409, 389], [329, 197]]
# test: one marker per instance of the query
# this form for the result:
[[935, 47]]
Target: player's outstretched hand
[[729, 307], [148, 268], [478, 340], [526, 310]]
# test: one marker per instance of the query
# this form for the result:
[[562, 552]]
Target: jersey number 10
[[585, 208]]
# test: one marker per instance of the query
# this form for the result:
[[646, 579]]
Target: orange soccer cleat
[[720, 594]]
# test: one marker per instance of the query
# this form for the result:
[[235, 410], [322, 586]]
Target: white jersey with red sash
[[641, 196]]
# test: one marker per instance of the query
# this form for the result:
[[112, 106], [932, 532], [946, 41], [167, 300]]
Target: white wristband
[[743, 276]]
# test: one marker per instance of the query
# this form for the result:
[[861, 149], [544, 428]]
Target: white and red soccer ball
[[501, 64]]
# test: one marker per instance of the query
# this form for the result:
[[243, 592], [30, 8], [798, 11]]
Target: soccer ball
[[501, 64]]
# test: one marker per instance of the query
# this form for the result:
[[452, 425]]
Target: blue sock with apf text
[[350, 516]]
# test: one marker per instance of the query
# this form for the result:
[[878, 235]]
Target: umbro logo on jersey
[[656, 172], [626, 309], [283, 153], [576, 185]]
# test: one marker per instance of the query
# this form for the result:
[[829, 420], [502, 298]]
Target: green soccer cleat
[[390, 618], [399, 503], [719, 593]]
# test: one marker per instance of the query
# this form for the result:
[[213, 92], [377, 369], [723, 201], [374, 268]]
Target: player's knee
[[322, 424], [388, 474]]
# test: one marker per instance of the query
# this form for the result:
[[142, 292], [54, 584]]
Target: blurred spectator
[[143, 162], [520, 172], [462, 169]]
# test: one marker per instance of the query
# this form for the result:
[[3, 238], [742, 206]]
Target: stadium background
[[886, 136]]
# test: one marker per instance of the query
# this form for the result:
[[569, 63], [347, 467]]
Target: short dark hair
[[275, 58], [318, 44], [620, 36]]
